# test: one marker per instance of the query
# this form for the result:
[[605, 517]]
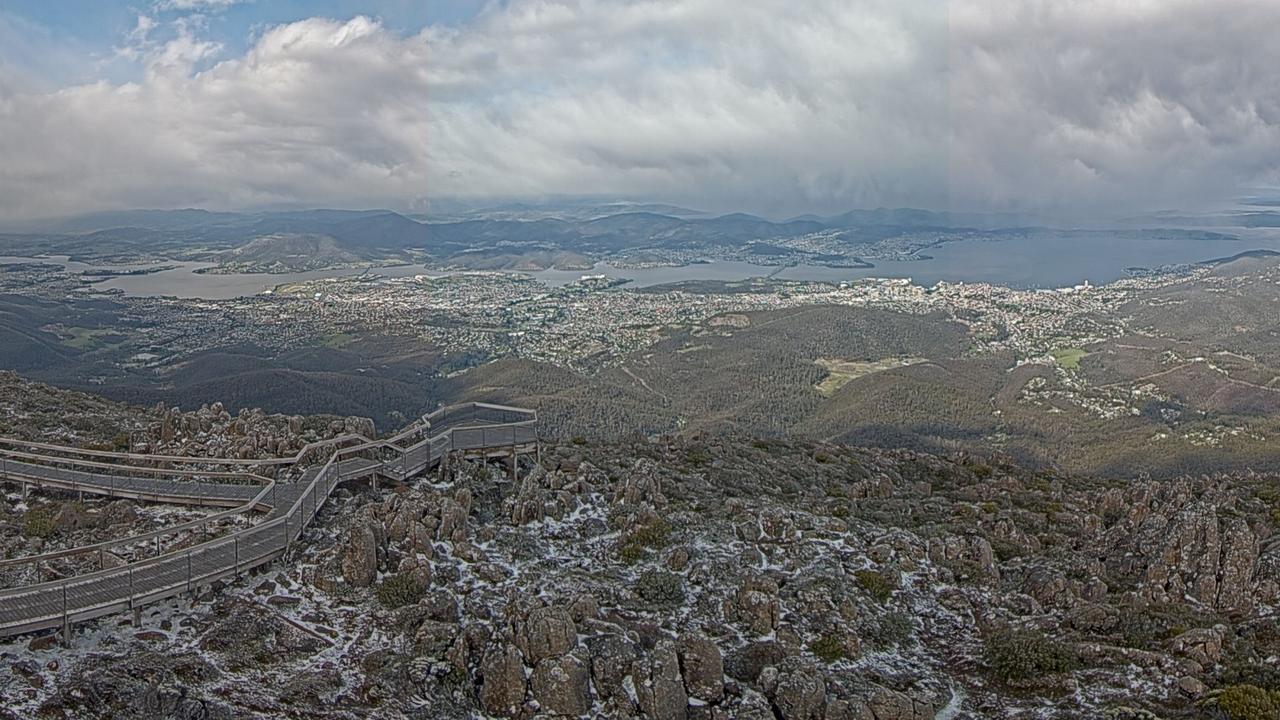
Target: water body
[[1024, 263], [182, 279]]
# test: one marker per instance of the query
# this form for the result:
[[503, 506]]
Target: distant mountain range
[[507, 231], [381, 234]]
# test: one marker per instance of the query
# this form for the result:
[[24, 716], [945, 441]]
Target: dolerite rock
[[973, 550], [611, 659], [403, 519], [1199, 554], [752, 707], [530, 504], [1204, 645], [1093, 618], [360, 555], [1050, 587], [543, 494], [756, 605], [150, 684], [659, 687], [797, 688], [120, 512], [702, 668], [548, 632], [886, 704], [359, 426], [1239, 561], [68, 518], [560, 686], [434, 638], [502, 685], [167, 432], [453, 519], [747, 662], [584, 607], [641, 486]]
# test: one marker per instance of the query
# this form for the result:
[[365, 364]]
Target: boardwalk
[[289, 507]]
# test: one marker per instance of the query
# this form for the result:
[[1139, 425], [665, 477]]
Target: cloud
[[1064, 106], [197, 4]]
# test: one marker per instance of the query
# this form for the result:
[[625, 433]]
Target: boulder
[[798, 689], [360, 556], [548, 632], [702, 668], [660, 690], [612, 656], [502, 681], [756, 605], [560, 686], [886, 704], [1203, 645]]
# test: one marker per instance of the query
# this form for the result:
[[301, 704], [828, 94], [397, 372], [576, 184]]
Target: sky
[[1081, 108]]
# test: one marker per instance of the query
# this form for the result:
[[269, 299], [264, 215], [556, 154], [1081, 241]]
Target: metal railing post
[[66, 621]]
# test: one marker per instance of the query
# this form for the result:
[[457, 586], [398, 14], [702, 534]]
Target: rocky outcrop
[[547, 632], [560, 686], [702, 668], [756, 606], [1184, 546], [887, 704], [731, 581], [502, 681], [972, 552], [798, 690], [659, 686], [360, 555]]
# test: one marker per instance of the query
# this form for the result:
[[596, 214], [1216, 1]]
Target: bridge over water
[[479, 428]]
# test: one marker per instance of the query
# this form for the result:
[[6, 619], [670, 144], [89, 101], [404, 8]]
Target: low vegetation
[[38, 523], [828, 648], [1027, 655], [1245, 702], [648, 535], [399, 590], [877, 584]]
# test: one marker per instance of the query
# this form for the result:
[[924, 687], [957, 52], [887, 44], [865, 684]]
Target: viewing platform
[[473, 428]]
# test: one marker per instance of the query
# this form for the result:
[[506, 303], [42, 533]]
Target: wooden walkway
[[290, 507]]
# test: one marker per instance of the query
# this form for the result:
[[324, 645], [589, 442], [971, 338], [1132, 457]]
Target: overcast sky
[[771, 106]]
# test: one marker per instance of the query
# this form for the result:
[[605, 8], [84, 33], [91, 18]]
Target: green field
[[1069, 358], [88, 338], [337, 340], [840, 372]]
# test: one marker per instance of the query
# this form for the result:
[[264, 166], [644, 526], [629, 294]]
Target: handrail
[[188, 459], [116, 466], [422, 423], [130, 456], [253, 504], [107, 591]]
